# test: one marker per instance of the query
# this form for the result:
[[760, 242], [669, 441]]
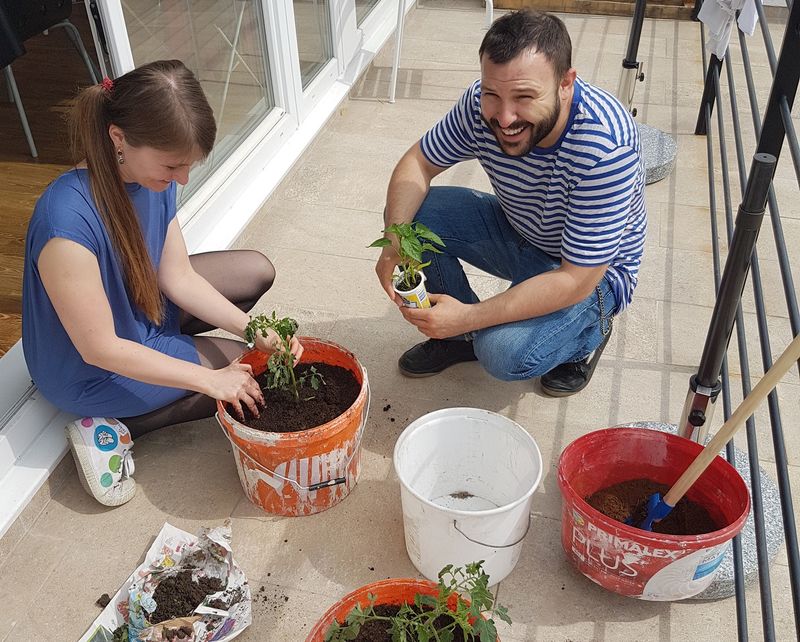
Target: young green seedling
[[280, 366], [416, 623], [413, 240]]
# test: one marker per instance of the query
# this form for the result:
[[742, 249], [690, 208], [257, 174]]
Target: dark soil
[[272, 599], [378, 631], [183, 633], [179, 595], [627, 498], [283, 413], [103, 600]]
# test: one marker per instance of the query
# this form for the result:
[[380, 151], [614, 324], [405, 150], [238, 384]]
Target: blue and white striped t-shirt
[[581, 200]]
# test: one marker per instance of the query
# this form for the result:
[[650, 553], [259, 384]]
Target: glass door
[[312, 21], [363, 9], [224, 44]]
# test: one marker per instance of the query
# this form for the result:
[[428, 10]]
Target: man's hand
[[384, 268], [447, 318]]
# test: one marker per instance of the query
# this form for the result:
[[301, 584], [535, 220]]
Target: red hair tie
[[107, 83]]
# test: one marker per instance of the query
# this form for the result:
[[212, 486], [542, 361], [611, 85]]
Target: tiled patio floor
[[66, 550]]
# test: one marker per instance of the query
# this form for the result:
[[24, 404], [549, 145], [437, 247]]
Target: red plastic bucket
[[628, 560], [301, 473]]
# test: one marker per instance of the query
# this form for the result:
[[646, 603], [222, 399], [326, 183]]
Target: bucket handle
[[474, 541], [335, 481]]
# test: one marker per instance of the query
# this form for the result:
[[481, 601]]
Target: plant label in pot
[[415, 296]]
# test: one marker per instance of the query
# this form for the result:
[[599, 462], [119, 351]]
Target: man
[[565, 225]]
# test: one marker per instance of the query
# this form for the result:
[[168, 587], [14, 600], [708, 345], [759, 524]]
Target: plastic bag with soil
[[189, 588]]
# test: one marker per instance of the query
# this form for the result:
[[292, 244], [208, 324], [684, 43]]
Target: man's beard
[[536, 132]]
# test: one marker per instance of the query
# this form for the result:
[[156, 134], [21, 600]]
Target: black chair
[[23, 19]]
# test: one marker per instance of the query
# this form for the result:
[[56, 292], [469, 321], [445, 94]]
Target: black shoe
[[574, 376], [433, 356]]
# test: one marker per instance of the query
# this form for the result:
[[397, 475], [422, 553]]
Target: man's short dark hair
[[519, 31]]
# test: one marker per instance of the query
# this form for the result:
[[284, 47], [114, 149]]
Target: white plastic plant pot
[[416, 297]]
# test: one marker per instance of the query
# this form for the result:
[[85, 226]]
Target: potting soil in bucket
[[467, 478], [305, 472], [634, 562]]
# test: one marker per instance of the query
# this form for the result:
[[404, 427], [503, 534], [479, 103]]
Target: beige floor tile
[[383, 341], [426, 96], [655, 214], [788, 396], [358, 541], [190, 488], [415, 48], [337, 284], [412, 85], [670, 274], [32, 565], [343, 170], [689, 229], [790, 228], [319, 229], [772, 288], [13, 536], [428, 74], [281, 614], [633, 336], [22, 525]]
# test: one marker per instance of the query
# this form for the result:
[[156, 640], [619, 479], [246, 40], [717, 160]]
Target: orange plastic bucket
[[392, 591], [301, 473]]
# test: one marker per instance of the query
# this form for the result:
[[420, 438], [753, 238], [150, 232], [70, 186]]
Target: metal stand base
[[723, 585], [659, 151]]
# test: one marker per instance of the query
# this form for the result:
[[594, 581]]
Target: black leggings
[[242, 277]]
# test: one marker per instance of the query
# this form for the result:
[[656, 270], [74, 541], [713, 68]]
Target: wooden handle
[[770, 379]]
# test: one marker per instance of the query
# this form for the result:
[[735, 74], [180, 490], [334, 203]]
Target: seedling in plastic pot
[[413, 240]]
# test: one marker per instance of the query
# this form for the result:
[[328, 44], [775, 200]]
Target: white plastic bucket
[[467, 478]]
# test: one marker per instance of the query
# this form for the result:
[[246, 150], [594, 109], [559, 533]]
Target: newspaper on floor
[[219, 618]]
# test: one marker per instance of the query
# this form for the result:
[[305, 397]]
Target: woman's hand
[[235, 385], [272, 342]]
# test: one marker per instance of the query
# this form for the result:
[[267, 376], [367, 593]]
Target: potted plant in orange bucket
[[413, 239], [459, 608], [301, 455]]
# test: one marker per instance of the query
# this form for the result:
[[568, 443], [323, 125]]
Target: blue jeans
[[474, 228]]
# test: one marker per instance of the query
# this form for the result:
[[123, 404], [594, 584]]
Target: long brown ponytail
[[159, 105]]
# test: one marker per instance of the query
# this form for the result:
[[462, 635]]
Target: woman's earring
[[120, 158]]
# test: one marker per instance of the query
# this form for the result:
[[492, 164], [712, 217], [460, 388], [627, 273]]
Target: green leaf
[[382, 242], [410, 248], [425, 233], [427, 247], [486, 630], [502, 613]]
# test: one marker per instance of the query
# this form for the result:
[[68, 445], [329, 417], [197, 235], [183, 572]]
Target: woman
[[111, 299]]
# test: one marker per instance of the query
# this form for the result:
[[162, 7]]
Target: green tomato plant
[[413, 239], [473, 613], [280, 366]]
